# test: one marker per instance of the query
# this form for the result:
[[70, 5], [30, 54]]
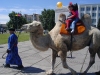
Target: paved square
[[36, 62]]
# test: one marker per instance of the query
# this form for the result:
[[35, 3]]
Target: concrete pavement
[[36, 62]]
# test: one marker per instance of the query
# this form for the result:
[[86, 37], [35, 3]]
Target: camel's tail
[[98, 52]]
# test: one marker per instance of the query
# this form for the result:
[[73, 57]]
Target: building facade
[[58, 11], [32, 17], [91, 9], [3, 26]]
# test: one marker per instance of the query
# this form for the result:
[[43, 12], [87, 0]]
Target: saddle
[[79, 29]]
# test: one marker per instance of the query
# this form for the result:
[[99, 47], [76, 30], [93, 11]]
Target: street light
[[18, 15]]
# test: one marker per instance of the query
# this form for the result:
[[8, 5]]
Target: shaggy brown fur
[[60, 43]]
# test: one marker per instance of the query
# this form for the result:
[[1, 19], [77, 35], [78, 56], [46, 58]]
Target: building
[[3, 26], [32, 17], [58, 11], [91, 9]]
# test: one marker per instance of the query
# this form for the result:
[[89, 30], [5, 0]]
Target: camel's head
[[86, 18], [62, 17], [35, 26]]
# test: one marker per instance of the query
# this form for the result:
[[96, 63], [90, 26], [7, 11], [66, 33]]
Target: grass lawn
[[22, 37]]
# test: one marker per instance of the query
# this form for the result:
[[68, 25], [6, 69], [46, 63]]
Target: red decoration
[[18, 15], [70, 3]]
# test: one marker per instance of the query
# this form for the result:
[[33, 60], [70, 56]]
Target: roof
[[3, 25]]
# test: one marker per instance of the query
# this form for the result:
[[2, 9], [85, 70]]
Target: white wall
[[58, 11]]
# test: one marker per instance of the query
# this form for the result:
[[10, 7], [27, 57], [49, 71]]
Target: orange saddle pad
[[78, 30]]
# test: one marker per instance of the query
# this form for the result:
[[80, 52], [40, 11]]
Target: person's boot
[[6, 65], [97, 73], [20, 67], [72, 31]]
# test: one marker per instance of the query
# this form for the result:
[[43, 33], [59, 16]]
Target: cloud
[[22, 10], [38, 11], [2, 9], [4, 18], [3, 22], [17, 10]]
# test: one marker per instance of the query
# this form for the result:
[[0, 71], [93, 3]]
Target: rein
[[62, 21]]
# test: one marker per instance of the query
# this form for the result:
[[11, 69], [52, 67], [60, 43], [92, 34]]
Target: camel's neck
[[40, 41]]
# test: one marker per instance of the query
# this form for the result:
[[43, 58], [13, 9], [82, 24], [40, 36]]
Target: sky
[[33, 6]]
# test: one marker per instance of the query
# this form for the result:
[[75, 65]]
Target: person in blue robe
[[13, 57]]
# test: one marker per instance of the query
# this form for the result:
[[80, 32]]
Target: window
[[82, 9], [88, 13], [93, 20], [87, 8], [93, 14], [29, 19], [34, 16], [98, 14], [99, 9], [94, 8], [81, 14]]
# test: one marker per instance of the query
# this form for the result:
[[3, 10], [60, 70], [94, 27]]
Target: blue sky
[[33, 6]]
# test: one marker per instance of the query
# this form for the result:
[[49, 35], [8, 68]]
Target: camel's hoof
[[50, 72], [74, 73]]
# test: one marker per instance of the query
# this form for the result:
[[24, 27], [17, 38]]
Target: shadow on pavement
[[32, 70], [68, 57], [1, 47], [71, 57], [77, 74]]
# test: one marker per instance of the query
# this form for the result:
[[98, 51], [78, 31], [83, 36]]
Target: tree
[[98, 26], [47, 19], [16, 20]]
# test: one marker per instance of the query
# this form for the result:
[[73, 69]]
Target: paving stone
[[37, 62]]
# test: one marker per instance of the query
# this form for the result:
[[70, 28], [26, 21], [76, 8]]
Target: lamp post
[[17, 15]]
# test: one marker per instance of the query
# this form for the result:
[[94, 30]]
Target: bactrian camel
[[59, 43]]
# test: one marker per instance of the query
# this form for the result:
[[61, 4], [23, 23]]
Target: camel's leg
[[54, 54], [65, 65], [92, 60], [98, 52]]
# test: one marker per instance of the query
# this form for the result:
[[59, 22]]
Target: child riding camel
[[72, 18]]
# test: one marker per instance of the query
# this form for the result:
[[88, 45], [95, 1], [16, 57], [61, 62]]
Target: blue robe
[[13, 58]]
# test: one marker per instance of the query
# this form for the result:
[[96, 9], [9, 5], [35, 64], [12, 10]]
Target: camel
[[59, 43]]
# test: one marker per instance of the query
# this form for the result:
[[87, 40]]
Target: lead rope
[[71, 44], [12, 46], [83, 62]]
